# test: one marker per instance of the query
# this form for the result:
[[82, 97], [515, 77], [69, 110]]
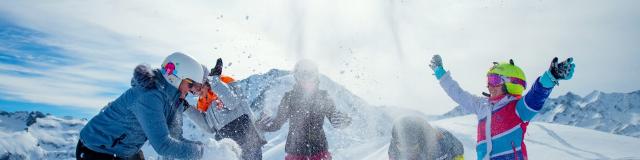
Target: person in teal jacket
[[503, 115]]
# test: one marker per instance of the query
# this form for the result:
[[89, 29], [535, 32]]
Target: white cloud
[[356, 42]]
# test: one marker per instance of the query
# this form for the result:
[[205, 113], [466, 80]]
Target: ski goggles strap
[[518, 81]]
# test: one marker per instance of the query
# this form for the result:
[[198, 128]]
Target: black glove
[[563, 70], [217, 70]]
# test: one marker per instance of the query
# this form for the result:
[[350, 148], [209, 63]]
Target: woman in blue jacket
[[150, 110]]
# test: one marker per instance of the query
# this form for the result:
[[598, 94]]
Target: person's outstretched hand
[[340, 120], [264, 121], [558, 71], [436, 66]]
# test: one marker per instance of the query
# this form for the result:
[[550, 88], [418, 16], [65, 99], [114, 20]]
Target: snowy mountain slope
[[367, 138], [46, 137], [265, 91], [544, 141], [50, 137], [617, 113], [18, 120]]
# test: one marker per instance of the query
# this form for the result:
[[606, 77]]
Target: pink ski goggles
[[494, 80]]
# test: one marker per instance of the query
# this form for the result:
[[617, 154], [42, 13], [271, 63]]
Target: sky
[[73, 57]]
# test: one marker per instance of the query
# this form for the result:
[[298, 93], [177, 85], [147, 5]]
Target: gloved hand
[[558, 71], [217, 70], [340, 120], [436, 66], [264, 121], [220, 105]]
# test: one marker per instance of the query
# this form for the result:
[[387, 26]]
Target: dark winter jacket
[[149, 110], [306, 117]]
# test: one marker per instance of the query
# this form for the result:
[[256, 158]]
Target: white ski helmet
[[178, 66], [205, 74]]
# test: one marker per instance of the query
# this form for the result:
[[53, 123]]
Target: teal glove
[[436, 66], [558, 71]]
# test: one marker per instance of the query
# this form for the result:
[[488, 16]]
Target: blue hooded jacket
[[149, 110]]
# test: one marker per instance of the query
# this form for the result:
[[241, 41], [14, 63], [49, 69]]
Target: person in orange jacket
[[219, 110]]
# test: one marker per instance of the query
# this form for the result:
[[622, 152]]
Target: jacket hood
[[143, 76]]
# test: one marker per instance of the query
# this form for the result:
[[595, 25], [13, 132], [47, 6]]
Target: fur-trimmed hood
[[143, 76]]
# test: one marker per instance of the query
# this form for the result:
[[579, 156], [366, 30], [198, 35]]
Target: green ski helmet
[[515, 81]]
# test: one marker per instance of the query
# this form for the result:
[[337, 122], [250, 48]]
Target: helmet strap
[[504, 88], [486, 94]]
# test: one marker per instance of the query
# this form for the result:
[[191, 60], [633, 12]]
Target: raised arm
[[529, 105], [466, 100]]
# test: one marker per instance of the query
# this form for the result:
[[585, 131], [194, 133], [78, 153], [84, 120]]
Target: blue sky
[[74, 57], [24, 56]]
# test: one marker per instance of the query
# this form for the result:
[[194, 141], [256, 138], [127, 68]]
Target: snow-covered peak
[[19, 120], [593, 95], [616, 113], [264, 91], [34, 135]]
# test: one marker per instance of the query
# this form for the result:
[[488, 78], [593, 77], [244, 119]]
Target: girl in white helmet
[[150, 110]]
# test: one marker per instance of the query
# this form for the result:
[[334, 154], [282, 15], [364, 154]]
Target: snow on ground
[[544, 141], [55, 138]]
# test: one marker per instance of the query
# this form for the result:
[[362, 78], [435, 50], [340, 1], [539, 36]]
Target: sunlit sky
[[73, 57]]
